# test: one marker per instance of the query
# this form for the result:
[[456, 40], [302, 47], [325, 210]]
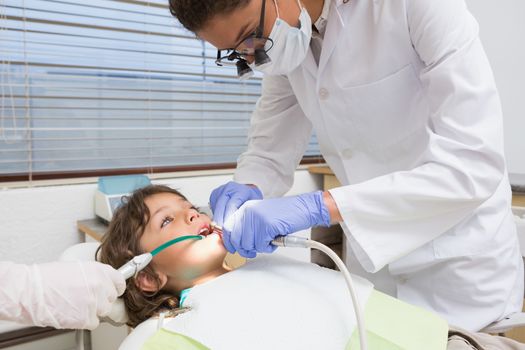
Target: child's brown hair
[[122, 242]]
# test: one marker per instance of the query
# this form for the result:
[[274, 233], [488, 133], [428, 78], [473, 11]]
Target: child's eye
[[166, 221]]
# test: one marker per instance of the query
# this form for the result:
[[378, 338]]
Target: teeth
[[204, 231]]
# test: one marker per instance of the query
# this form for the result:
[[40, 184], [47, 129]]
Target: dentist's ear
[[147, 283]]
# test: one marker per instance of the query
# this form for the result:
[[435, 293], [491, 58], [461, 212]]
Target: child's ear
[[147, 283]]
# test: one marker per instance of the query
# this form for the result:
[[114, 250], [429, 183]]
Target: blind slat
[[143, 84]]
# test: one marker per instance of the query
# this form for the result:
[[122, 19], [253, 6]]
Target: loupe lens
[[261, 58], [243, 70]]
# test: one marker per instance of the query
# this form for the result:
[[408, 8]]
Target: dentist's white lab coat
[[407, 115]]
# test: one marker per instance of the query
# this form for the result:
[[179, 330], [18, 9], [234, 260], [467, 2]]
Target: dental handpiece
[[279, 241]]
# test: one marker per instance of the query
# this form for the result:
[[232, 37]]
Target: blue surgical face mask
[[290, 44]]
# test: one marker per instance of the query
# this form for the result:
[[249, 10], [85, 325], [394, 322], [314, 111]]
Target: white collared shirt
[[316, 43], [320, 24]]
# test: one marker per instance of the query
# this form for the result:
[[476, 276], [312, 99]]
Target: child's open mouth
[[209, 230], [205, 231]]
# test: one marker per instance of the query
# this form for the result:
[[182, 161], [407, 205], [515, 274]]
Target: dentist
[[403, 102]]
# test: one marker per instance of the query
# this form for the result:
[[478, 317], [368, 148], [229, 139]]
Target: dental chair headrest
[[86, 252], [80, 252]]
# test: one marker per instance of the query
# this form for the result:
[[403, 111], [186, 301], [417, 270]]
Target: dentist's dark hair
[[194, 15], [122, 242]]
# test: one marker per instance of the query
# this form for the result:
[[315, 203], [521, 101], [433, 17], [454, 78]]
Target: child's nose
[[192, 215]]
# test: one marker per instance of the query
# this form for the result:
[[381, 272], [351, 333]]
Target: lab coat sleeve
[[19, 296], [390, 216], [58, 294], [278, 137]]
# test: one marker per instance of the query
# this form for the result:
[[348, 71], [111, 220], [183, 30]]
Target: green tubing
[[172, 242]]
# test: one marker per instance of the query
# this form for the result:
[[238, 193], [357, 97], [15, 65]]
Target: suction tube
[[139, 262], [300, 242]]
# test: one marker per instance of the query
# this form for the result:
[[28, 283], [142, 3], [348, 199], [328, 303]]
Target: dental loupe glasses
[[255, 46]]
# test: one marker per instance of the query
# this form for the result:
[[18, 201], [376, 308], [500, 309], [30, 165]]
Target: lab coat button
[[347, 153], [323, 94]]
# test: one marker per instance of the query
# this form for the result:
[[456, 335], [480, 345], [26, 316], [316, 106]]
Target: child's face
[[186, 261]]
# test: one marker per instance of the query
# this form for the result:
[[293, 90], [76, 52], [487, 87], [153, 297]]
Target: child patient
[[268, 303], [150, 217]]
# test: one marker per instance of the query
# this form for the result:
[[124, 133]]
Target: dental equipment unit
[[112, 189]]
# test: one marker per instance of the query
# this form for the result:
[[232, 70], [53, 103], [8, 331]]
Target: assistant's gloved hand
[[251, 229], [59, 294], [226, 199]]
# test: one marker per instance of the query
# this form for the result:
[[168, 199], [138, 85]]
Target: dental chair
[[117, 317]]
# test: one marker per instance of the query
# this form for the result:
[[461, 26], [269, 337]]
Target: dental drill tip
[[215, 227]]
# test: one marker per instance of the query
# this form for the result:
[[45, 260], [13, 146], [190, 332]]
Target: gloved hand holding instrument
[[252, 228], [226, 199]]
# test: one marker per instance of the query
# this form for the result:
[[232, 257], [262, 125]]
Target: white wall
[[502, 30], [38, 224]]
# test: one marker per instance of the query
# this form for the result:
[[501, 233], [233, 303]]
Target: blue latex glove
[[226, 199], [252, 228]]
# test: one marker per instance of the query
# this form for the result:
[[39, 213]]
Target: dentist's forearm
[[335, 215]]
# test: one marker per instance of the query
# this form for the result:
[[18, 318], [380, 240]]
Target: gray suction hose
[[300, 242]]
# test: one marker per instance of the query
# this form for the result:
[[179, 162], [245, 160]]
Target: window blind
[[114, 84]]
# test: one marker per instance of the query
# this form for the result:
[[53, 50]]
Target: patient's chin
[[215, 239], [213, 246]]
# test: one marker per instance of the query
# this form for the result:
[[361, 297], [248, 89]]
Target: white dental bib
[[272, 303]]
